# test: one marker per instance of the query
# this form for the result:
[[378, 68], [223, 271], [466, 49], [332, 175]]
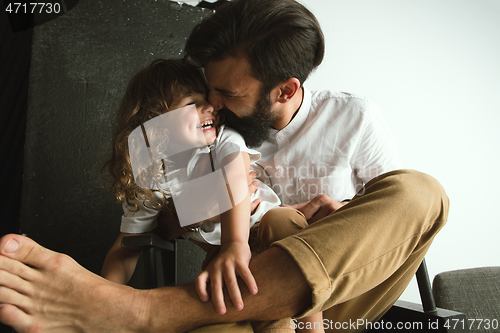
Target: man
[[352, 262], [310, 143]]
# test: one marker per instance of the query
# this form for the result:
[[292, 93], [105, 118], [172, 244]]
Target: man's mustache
[[227, 117]]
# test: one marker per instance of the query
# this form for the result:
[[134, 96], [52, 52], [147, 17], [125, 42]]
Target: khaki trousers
[[359, 260]]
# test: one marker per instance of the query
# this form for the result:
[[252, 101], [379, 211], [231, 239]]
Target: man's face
[[238, 97]]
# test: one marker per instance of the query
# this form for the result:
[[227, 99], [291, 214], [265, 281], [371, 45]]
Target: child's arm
[[234, 256], [120, 263]]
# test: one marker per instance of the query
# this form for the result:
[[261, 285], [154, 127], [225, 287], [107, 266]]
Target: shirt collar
[[300, 118], [219, 135]]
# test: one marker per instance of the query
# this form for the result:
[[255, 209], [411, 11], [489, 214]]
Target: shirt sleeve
[[376, 152], [138, 219]]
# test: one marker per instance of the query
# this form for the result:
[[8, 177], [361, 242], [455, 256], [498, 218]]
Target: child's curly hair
[[148, 95]]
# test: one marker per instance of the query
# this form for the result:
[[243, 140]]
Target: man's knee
[[421, 191]]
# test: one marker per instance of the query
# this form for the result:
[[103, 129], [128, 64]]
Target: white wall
[[433, 66]]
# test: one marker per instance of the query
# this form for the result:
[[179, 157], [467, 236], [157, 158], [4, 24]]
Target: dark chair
[[426, 317], [159, 258], [475, 292]]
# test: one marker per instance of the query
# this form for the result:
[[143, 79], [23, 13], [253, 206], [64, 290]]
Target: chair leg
[[170, 266], [425, 289], [151, 276], [166, 262], [154, 250]]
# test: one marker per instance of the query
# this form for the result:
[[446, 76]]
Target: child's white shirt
[[144, 219]]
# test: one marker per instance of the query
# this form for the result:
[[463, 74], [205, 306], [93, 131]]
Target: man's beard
[[254, 128]]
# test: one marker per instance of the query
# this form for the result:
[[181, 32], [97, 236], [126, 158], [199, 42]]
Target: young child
[[166, 144]]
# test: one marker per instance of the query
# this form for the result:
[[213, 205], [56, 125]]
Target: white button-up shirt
[[334, 145]]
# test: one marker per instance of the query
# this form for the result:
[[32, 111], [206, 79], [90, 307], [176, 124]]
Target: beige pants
[[359, 260]]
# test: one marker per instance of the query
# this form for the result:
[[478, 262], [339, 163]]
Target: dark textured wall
[[81, 63], [15, 50]]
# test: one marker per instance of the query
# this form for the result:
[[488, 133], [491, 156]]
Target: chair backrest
[[81, 64], [475, 292]]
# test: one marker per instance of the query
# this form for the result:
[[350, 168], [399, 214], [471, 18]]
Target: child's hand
[[232, 261]]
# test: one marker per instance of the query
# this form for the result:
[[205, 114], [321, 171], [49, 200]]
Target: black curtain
[[15, 54], [15, 57]]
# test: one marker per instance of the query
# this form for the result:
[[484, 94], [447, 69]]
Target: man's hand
[[231, 262], [318, 208]]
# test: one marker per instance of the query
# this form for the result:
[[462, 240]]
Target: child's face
[[196, 124]]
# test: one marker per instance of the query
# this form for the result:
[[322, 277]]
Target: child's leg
[[311, 324]]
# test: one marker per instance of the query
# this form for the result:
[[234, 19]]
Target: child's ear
[[288, 89]]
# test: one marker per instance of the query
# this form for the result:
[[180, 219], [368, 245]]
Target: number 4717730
[[486, 324], [33, 7]]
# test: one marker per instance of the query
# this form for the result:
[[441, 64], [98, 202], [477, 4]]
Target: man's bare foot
[[45, 291]]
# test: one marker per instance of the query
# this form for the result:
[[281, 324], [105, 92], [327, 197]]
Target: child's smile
[[207, 124], [208, 128], [201, 120]]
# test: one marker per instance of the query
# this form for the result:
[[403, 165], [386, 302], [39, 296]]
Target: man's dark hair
[[280, 38]]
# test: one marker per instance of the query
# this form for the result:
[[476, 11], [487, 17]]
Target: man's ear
[[288, 89]]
